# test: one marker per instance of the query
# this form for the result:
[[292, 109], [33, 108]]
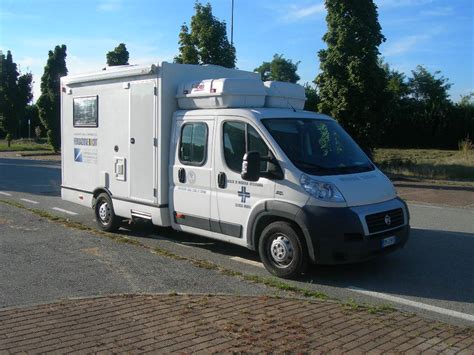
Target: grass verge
[[204, 264], [25, 145], [427, 163]]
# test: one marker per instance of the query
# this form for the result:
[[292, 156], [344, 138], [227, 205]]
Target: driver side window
[[240, 138]]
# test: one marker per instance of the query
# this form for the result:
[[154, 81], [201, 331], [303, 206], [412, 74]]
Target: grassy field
[[24, 145], [427, 163]]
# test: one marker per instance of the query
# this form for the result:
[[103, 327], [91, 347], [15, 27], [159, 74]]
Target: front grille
[[376, 222]]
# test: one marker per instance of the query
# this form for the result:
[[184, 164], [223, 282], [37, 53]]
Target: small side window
[[85, 111], [193, 144]]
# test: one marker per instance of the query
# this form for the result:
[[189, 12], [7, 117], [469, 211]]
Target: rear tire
[[282, 250], [105, 215]]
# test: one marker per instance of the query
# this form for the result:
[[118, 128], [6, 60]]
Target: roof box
[[221, 93], [284, 95]]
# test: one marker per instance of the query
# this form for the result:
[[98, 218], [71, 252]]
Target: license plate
[[386, 242]]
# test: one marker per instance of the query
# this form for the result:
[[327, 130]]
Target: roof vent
[[284, 95], [221, 93]]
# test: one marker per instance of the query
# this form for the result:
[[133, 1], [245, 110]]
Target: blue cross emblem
[[243, 194]]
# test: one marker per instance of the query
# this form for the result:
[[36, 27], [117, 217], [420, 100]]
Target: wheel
[[282, 251], [105, 215]]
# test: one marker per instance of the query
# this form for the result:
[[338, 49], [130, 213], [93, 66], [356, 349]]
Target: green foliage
[[15, 95], [466, 146], [25, 96], [312, 98], [467, 101], [119, 56], [420, 113], [279, 69], [428, 88], [38, 133], [8, 95], [49, 101], [351, 83], [206, 42], [9, 139], [31, 114]]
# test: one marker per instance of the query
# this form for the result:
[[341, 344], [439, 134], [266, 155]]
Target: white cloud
[[295, 12], [9, 15], [405, 44], [25, 64], [110, 6], [402, 3], [438, 11]]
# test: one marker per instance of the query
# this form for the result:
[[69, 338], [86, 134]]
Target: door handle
[[182, 175], [221, 180], [132, 140]]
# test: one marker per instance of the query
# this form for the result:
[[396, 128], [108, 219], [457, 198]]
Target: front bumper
[[341, 235]]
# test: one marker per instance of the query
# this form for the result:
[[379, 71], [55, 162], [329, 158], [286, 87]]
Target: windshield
[[318, 147]]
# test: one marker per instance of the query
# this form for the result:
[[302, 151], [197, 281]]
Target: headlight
[[324, 191]]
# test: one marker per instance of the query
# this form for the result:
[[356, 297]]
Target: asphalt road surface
[[433, 275]]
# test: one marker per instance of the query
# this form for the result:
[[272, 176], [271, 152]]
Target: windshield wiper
[[308, 165], [355, 168]]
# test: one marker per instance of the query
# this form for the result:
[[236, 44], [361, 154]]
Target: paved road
[[432, 276], [39, 266]]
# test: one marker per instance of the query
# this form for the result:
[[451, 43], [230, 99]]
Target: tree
[[429, 88], [119, 56], [31, 115], [8, 95], [49, 101], [25, 95], [351, 84], [467, 100], [279, 69], [206, 42], [312, 98]]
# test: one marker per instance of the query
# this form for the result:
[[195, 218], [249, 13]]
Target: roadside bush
[[465, 146], [37, 133], [9, 139]]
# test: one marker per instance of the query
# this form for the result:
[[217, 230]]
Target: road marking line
[[427, 307], [29, 201], [5, 193], [247, 261], [64, 211], [453, 208]]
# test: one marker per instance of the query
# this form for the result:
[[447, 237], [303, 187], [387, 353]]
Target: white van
[[240, 162]]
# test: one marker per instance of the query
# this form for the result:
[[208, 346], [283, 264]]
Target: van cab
[[309, 193]]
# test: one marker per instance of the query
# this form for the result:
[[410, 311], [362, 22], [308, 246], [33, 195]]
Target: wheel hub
[[282, 250], [104, 211]]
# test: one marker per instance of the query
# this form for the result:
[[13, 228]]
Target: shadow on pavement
[[433, 264]]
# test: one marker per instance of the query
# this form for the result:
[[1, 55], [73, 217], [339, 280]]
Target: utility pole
[[232, 25]]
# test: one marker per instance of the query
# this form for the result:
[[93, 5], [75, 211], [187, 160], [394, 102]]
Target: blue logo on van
[[243, 194], [77, 155]]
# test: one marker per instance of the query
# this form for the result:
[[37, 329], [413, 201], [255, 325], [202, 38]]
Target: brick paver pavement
[[197, 323]]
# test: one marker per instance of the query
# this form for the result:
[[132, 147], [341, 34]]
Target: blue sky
[[438, 34]]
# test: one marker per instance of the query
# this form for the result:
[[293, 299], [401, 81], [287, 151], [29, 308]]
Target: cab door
[[236, 197], [191, 173]]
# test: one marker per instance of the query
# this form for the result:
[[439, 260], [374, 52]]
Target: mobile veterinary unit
[[218, 153]]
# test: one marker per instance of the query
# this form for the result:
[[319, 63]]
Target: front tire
[[282, 251], [105, 215]]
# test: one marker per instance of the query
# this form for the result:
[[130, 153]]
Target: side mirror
[[251, 166]]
